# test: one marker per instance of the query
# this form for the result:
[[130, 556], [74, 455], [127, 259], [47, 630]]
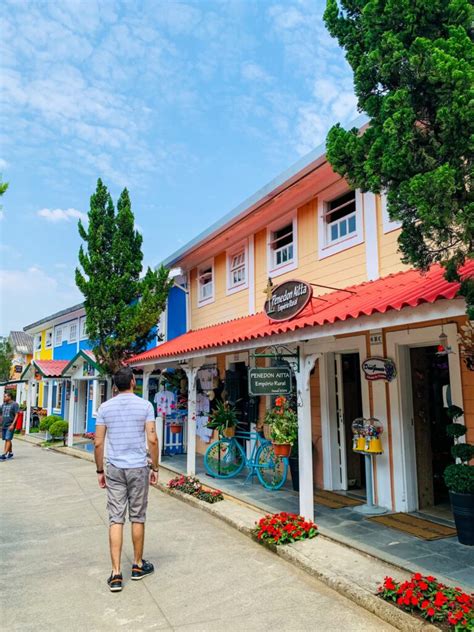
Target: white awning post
[[49, 403], [70, 431], [146, 384], [29, 395], [305, 446], [191, 373]]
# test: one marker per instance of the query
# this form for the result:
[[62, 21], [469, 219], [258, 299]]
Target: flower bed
[[435, 602], [193, 486], [284, 528]]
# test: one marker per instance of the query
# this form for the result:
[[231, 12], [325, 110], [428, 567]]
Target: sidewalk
[[54, 559], [445, 558]]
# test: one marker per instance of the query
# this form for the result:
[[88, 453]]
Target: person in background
[[9, 416], [126, 423]]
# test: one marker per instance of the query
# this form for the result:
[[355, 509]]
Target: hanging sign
[[88, 370], [379, 369], [270, 381], [287, 300]]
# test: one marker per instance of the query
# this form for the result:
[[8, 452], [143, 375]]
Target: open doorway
[[430, 389], [81, 407], [349, 407]]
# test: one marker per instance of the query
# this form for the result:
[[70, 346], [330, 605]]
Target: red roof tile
[[394, 292], [51, 368]]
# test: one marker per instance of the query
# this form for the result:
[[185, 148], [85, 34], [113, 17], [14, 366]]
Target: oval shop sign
[[287, 300], [379, 369]]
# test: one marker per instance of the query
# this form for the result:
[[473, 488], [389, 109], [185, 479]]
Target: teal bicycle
[[226, 458]]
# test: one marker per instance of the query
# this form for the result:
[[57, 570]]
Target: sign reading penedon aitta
[[270, 381], [287, 300]]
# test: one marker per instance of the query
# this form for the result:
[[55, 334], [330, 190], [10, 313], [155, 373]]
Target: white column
[[191, 373], [146, 384], [305, 447], [161, 435], [29, 395], [70, 432], [49, 404]]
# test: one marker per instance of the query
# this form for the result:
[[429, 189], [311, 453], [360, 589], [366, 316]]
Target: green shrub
[[456, 430], [47, 422], [463, 451], [459, 478], [454, 412], [59, 428]]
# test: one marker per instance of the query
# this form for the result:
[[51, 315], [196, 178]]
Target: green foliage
[[59, 428], [223, 417], [459, 478], [456, 430], [283, 422], [122, 309], [6, 356], [48, 421], [454, 412], [413, 66], [463, 451]]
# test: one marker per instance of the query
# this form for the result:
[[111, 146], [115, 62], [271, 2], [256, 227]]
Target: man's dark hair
[[123, 379]]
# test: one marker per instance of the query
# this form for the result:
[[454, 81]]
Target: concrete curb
[[242, 517]]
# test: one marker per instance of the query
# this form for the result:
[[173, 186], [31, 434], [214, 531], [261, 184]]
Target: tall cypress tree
[[413, 64], [122, 309]]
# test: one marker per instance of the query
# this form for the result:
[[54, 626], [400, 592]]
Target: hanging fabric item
[[202, 431], [165, 402]]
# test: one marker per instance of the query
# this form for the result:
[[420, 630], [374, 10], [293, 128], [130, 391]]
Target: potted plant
[[459, 479], [284, 426], [223, 419], [59, 428]]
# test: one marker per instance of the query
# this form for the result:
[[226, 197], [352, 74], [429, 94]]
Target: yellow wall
[[389, 257], [43, 354], [339, 270]]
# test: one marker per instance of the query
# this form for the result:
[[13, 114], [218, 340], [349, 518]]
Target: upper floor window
[[83, 328], [237, 269], [388, 224], [340, 217], [37, 342], [205, 279], [73, 332], [49, 339], [282, 246], [58, 336]]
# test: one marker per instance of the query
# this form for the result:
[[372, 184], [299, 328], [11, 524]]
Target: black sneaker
[[139, 572], [115, 582], [10, 455]]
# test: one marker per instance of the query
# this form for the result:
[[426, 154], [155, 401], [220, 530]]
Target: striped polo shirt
[[125, 416]]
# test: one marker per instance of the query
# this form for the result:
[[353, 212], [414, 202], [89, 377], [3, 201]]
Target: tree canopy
[[6, 357], [122, 308], [413, 64]]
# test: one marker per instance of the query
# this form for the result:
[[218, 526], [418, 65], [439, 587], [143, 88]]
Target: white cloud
[[33, 294], [56, 215], [2, 215], [254, 72], [3, 164]]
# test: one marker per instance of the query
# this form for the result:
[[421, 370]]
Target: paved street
[[54, 562]]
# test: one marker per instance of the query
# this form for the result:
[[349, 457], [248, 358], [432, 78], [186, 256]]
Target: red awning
[[394, 292]]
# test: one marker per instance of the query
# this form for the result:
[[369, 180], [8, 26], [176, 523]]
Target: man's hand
[[153, 477], [11, 428], [101, 480]]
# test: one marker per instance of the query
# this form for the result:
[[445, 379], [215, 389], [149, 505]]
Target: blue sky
[[192, 106]]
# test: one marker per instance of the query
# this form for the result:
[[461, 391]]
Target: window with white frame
[[340, 218], [38, 342], [388, 224], [59, 395], [49, 339], [73, 332], [83, 330], [58, 336], [237, 269], [100, 395], [205, 281], [282, 246]]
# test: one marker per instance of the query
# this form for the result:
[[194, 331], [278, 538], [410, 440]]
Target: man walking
[[9, 416], [127, 423]]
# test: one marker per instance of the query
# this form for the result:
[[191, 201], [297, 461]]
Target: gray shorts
[[127, 487]]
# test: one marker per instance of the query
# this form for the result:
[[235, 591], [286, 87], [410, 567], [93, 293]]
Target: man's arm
[[13, 424], [153, 447], [99, 453]]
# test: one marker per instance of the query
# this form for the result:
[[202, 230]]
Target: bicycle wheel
[[224, 458], [271, 470]]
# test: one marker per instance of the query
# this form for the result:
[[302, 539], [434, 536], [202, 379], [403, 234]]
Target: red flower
[[388, 583], [425, 604], [414, 601], [431, 612], [417, 576], [423, 586], [440, 599]]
